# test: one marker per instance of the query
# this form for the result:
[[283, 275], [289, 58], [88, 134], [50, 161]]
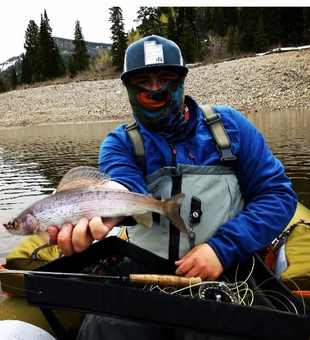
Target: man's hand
[[75, 239], [201, 262]]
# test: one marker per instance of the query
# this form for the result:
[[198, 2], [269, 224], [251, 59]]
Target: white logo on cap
[[153, 53]]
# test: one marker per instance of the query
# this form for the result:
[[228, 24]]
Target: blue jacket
[[270, 202]]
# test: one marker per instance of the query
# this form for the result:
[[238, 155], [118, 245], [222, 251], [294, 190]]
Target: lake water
[[33, 159], [287, 135]]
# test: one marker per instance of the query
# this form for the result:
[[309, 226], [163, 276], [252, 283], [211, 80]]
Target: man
[[242, 205], [250, 209]]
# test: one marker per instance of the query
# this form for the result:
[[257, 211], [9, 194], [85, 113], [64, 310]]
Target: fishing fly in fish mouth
[[24, 226], [83, 192]]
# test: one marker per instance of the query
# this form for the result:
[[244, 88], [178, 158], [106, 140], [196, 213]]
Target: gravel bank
[[271, 82]]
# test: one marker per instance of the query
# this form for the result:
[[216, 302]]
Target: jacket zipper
[[190, 155], [174, 155]]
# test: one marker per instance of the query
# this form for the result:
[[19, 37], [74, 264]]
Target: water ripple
[[34, 159], [286, 133]]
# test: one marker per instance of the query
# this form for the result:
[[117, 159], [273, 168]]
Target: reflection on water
[[286, 133], [33, 159]]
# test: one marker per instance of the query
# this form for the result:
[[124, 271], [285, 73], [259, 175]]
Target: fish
[[84, 192]]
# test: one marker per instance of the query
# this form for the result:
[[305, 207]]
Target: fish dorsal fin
[[82, 177]]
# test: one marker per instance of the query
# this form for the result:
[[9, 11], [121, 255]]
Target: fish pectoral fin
[[44, 235], [145, 220]]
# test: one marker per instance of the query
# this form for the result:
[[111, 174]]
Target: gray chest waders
[[217, 182]]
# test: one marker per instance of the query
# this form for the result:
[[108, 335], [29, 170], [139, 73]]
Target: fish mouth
[[12, 226], [9, 229]]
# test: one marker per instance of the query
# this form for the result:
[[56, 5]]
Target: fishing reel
[[217, 291]]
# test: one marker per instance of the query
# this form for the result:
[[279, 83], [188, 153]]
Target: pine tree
[[4, 86], [307, 25], [60, 69], [232, 40], [204, 21], [231, 16], [46, 46], [247, 25], [80, 56], [260, 39], [26, 70], [186, 16], [14, 80], [49, 61], [171, 25], [218, 22], [119, 39], [188, 44], [149, 21], [271, 19], [293, 26], [31, 46], [72, 66]]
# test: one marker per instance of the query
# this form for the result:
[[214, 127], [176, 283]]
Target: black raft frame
[[279, 316]]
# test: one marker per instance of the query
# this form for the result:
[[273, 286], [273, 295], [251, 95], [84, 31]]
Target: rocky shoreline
[[264, 83]]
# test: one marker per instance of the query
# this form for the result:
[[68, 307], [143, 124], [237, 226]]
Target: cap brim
[[180, 70]]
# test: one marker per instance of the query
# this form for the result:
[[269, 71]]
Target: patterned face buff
[[163, 110]]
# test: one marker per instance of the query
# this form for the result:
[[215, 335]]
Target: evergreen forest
[[204, 34]]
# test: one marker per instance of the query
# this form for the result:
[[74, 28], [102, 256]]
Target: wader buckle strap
[[137, 142], [214, 122]]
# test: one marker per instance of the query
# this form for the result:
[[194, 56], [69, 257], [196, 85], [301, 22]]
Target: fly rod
[[152, 279]]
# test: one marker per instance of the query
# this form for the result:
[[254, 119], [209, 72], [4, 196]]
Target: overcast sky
[[92, 14]]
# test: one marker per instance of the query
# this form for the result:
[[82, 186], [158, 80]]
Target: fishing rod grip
[[164, 280]]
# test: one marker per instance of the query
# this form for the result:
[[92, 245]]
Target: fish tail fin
[[172, 206]]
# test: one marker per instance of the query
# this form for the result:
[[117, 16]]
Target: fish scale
[[87, 203]]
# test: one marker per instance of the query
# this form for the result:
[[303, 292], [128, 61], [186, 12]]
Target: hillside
[[66, 48], [265, 83]]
